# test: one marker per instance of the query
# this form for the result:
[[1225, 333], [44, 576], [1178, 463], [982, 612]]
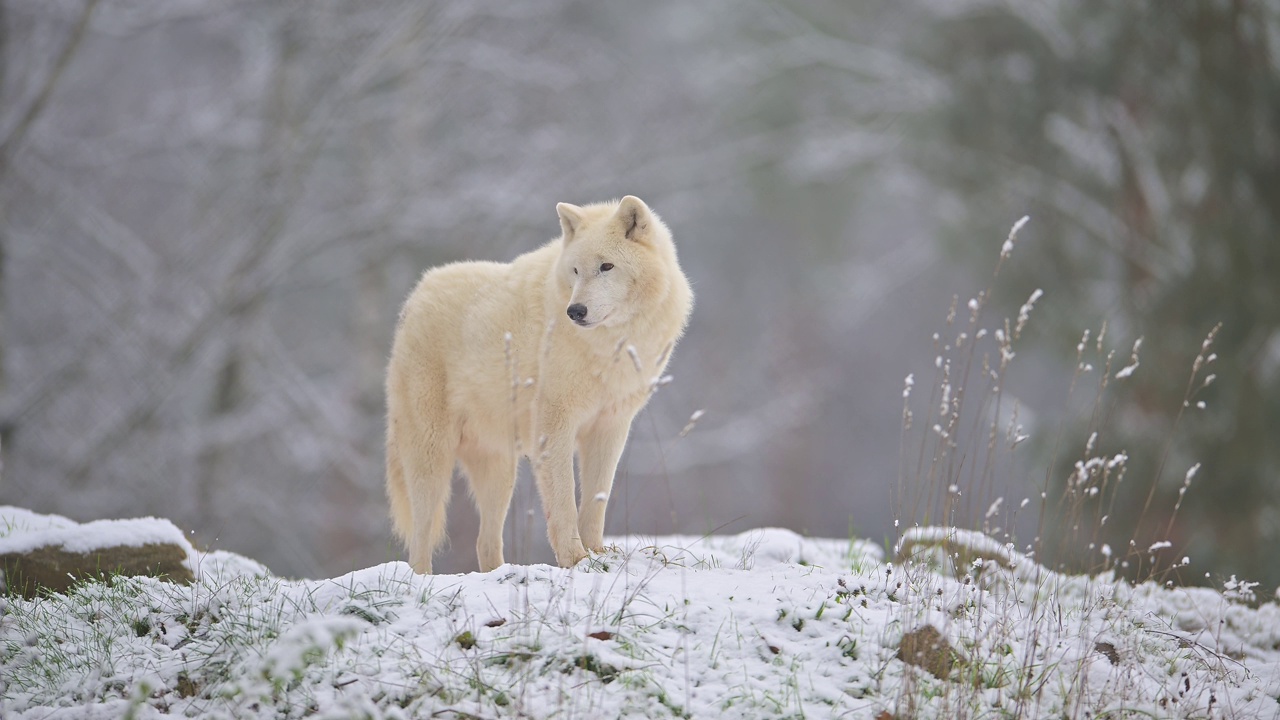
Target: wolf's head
[[617, 261]]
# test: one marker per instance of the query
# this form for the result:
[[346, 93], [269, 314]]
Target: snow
[[764, 624], [22, 531], [1129, 369], [15, 520], [1126, 371]]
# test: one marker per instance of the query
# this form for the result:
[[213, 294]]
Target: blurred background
[[211, 210]]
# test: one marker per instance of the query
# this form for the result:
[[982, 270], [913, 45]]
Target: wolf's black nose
[[577, 312]]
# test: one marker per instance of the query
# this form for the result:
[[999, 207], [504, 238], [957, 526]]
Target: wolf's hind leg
[[492, 477]]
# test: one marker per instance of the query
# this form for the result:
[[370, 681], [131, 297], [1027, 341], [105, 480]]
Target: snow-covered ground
[[761, 624]]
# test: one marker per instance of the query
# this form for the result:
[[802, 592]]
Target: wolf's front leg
[[553, 469], [600, 447]]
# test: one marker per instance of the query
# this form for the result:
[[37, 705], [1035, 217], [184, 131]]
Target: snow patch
[[765, 623], [23, 531]]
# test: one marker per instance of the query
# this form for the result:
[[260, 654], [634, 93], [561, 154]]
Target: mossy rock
[[51, 568]]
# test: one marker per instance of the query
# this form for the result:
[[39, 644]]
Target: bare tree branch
[[10, 144]]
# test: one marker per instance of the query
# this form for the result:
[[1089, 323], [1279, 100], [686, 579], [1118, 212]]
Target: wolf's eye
[[606, 267], [575, 271]]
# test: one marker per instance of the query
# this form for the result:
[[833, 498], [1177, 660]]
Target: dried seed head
[[1127, 370], [1007, 249], [1025, 312]]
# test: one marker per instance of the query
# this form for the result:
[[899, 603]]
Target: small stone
[[925, 647], [1109, 651]]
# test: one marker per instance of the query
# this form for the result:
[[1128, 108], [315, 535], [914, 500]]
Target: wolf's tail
[[397, 492]]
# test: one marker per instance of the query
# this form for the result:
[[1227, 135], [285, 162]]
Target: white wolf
[[556, 351]]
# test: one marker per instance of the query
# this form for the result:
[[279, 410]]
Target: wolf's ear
[[570, 219], [635, 217]]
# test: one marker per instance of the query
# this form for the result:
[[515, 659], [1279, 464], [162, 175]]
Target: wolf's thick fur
[[556, 351]]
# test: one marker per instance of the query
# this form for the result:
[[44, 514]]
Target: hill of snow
[[761, 624]]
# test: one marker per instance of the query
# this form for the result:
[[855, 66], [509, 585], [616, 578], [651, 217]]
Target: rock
[[54, 568], [964, 551], [1108, 650], [43, 553], [926, 648]]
